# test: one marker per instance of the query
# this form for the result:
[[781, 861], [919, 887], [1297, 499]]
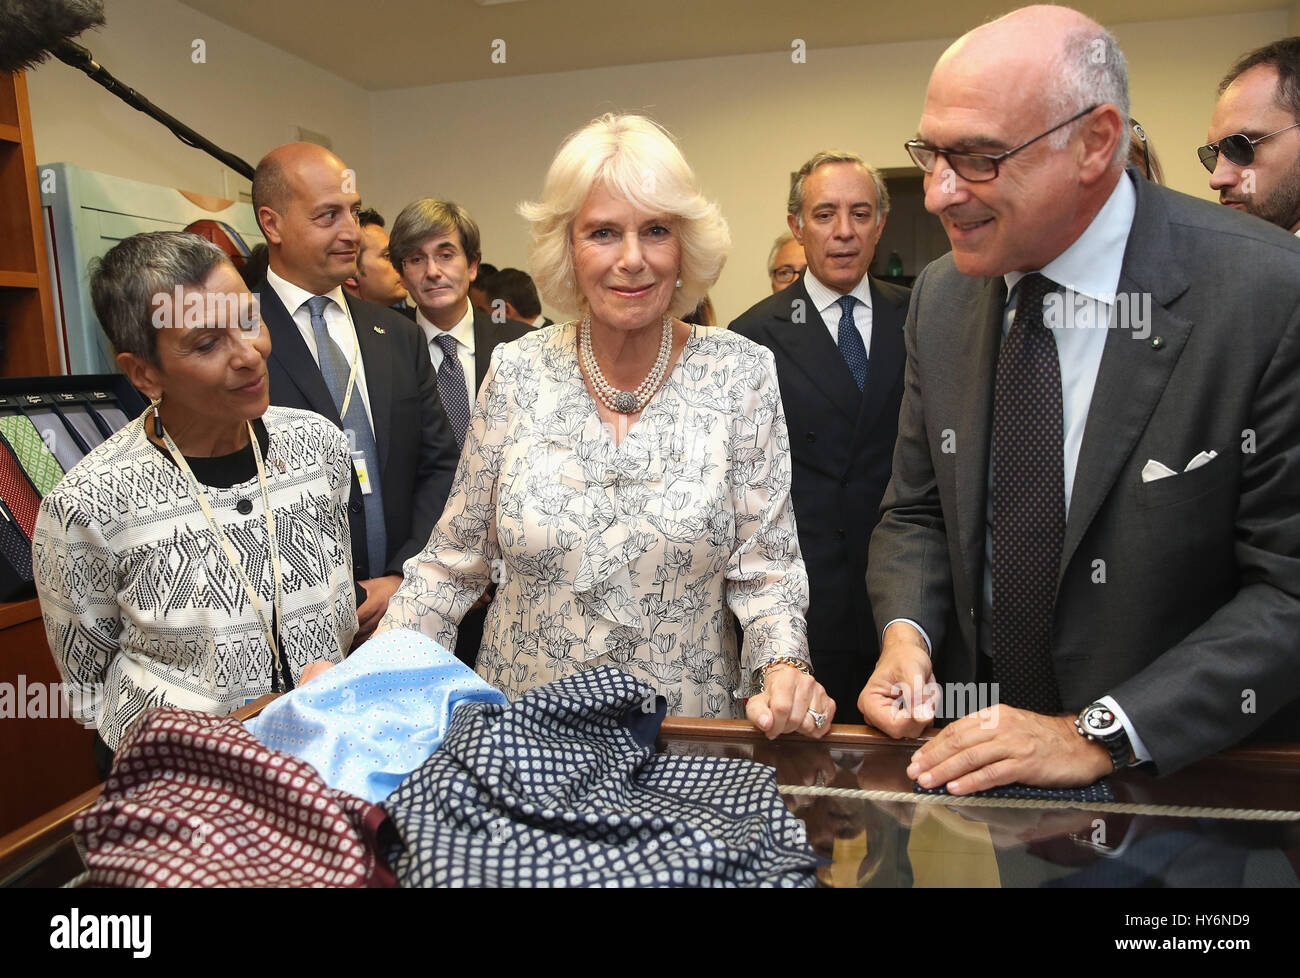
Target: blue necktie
[[852, 349], [451, 387], [335, 368]]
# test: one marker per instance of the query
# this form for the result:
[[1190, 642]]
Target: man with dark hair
[[435, 248], [1253, 153], [364, 367], [375, 280], [477, 297], [836, 333], [511, 294], [1094, 494]]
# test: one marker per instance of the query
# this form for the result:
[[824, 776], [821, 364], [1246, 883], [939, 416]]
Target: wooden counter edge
[[25, 843]]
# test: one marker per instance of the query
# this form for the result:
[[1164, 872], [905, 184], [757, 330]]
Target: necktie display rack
[[47, 426]]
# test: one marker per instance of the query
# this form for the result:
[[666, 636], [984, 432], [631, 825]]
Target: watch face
[[1100, 722]]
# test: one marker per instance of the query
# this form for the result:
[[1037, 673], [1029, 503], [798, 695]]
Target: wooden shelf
[[47, 761], [16, 612], [18, 280]]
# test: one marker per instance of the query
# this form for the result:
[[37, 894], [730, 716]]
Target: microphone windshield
[[30, 28]]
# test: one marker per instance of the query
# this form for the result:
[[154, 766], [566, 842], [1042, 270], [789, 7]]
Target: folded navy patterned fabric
[[563, 788], [1097, 791]]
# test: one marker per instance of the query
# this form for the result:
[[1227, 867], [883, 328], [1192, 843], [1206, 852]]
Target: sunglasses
[[1237, 148]]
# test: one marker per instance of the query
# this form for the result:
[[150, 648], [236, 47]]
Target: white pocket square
[[1154, 470]]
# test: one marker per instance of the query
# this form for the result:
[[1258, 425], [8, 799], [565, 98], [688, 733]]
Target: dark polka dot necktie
[[852, 349], [451, 387], [1028, 504]]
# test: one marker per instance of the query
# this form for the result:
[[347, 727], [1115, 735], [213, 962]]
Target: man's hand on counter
[[1000, 745], [899, 698]]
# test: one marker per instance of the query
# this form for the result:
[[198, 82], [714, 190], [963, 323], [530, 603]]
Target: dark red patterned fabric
[[195, 800], [18, 493]]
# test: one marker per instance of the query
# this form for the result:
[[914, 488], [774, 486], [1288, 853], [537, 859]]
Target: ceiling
[[406, 43]]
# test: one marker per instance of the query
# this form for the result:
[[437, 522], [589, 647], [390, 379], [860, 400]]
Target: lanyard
[[352, 380], [202, 498]]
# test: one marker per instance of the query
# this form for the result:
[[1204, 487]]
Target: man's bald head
[[1047, 63], [1044, 91], [272, 179], [307, 204]]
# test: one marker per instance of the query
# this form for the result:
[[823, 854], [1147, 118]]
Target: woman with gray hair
[[200, 556], [626, 476]]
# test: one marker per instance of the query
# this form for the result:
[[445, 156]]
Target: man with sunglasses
[[1093, 501], [1254, 150]]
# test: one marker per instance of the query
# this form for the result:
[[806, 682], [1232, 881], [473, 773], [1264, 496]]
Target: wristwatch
[[1098, 722]]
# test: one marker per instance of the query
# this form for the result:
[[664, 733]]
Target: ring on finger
[[819, 719]]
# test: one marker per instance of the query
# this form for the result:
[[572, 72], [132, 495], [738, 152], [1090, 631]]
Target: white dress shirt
[[827, 302], [463, 334], [338, 323]]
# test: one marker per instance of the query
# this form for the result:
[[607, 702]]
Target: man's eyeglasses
[[1238, 148], [785, 274], [975, 167]]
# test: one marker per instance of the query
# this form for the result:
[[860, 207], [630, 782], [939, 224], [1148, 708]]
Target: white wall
[[746, 122], [246, 98]]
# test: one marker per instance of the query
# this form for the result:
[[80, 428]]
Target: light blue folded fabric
[[369, 722]]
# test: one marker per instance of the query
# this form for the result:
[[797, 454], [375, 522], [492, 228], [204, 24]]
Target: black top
[[224, 471]]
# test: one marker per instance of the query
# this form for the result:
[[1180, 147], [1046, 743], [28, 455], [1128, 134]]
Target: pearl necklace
[[625, 402]]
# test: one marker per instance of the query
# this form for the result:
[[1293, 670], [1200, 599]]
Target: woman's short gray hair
[[125, 280], [1090, 70], [635, 160]]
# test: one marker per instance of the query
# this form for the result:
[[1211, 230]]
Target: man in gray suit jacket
[[1101, 520]]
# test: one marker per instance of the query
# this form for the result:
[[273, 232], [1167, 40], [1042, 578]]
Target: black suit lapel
[[886, 357], [809, 346], [290, 350], [375, 354], [1133, 372], [482, 348], [975, 360]]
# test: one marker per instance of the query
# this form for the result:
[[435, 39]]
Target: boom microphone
[[32, 30]]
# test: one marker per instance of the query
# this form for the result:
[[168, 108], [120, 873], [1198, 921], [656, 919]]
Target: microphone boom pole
[[73, 54]]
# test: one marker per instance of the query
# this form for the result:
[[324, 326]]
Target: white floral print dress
[[635, 555]]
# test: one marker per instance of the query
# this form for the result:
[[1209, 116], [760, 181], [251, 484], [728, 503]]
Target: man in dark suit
[[1257, 122], [361, 365], [1094, 495], [375, 279], [836, 334], [435, 247]]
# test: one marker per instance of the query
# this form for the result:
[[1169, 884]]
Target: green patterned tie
[[37, 461]]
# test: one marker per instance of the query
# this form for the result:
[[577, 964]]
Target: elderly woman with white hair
[[626, 476]]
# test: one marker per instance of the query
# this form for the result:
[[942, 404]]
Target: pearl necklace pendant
[[625, 402]]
